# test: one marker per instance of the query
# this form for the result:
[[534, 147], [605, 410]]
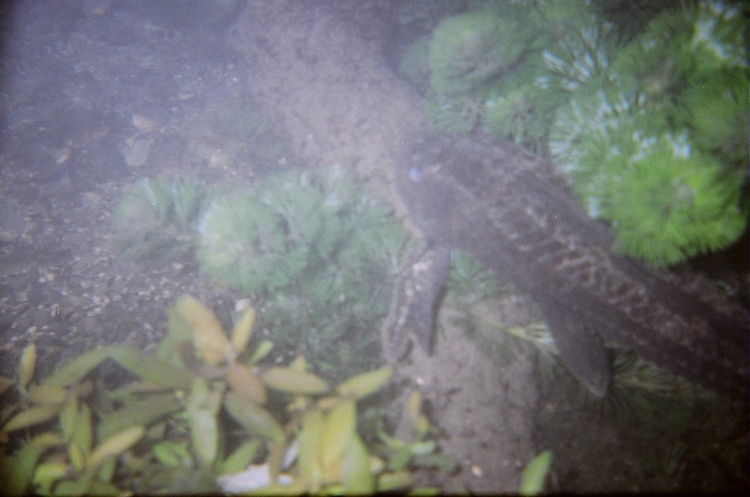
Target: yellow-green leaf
[[47, 473], [294, 381], [364, 384], [309, 440], [77, 457], [299, 363], [46, 394], [204, 431], [150, 368], [115, 445], [210, 342], [178, 331], [388, 482], [243, 381], [241, 458], [26, 365], [83, 434], [47, 439], [533, 477], [253, 417], [202, 408], [357, 477], [32, 416], [338, 431], [18, 470], [68, 417], [142, 412], [243, 330], [173, 454], [261, 352], [77, 368], [105, 471]]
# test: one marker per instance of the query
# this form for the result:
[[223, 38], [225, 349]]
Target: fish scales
[[513, 212]]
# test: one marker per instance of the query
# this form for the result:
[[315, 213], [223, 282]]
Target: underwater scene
[[342, 246]]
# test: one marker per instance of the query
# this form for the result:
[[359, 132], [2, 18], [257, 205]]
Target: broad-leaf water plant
[[202, 416]]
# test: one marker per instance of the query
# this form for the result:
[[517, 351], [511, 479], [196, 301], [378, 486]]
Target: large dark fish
[[512, 212]]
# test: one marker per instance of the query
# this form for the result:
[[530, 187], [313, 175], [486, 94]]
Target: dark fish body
[[510, 210]]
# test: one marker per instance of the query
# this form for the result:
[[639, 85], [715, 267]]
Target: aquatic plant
[[653, 134], [672, 204], [658, 146], [196, 420], [485, 66], [521, 107], [453, 114], [322, 252], [156, 218], [470, 50]]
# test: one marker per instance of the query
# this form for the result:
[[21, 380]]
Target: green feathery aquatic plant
[[653, 134], [156, 218], [321, 250], [468, 51], [579, 48], [658, 145], [520, 106], [486, 65], [453, 114]]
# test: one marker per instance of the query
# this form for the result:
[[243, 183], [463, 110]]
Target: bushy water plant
[[650, 124], [650, 151], [470, 50], [486, 66], [320, 250]]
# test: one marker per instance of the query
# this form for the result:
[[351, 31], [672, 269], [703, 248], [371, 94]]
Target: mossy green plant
[[320, 250], [485, 66], [649, 149], [317, 248], [521, 106], [580, 44], [470, 50], [652, 132]]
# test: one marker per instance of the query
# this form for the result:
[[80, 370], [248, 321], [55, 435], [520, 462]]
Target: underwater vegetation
[[658, 145], [205, 414], [485, 66], [472, 57], [320, 252], [469, 50], [156, 218], [649, 121]]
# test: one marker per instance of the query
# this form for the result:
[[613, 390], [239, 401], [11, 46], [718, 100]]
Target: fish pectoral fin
[[580, 350]]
